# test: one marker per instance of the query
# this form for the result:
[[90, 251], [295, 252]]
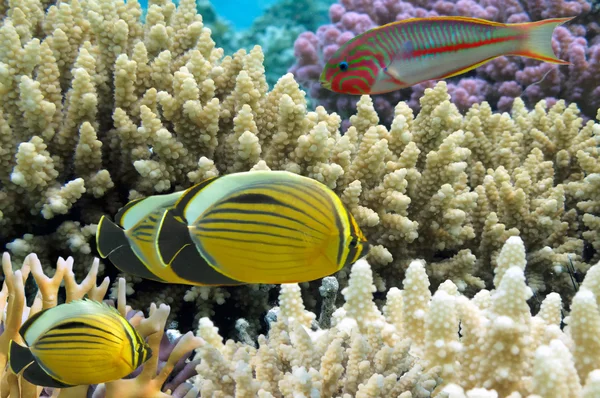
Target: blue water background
[[241, 13]]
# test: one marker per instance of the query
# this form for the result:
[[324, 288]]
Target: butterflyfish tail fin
[[172, 236], [109, 237], [19, 357], [112, 242], [538, 43]]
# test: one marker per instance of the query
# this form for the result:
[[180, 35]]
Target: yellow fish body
[[252, 227], [79, 343]]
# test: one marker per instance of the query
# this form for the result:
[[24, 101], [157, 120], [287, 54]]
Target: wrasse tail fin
[[538, 44]]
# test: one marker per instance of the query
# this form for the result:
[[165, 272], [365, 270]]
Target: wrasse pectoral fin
[[405, 52]]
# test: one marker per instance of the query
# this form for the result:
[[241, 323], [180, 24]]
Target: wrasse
[[402, 54], [79, 343], [254, 227]]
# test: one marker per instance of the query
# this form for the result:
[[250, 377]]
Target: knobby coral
[[91, 119], [414, 349], [415, 345]]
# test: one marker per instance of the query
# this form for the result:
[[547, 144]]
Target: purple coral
[[497, 82]]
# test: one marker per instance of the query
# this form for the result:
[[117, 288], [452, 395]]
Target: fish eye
[[343, 66], [353, 242]]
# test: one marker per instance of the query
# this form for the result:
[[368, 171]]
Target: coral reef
[[498, 82], [415, 345], [413, 348], [150, 381], [90, 120]]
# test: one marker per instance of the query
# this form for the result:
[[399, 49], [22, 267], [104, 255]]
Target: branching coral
[[91, 119], [147, 383], [502, 350]]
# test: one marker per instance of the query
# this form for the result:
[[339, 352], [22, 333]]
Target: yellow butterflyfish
[[252, 227], [78, 343]]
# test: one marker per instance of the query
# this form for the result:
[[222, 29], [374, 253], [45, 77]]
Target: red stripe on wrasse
[[465, 46], [534, 55]]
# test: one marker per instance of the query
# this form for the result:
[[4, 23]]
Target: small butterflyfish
[[78, 343], [404, 53], [267, 227]]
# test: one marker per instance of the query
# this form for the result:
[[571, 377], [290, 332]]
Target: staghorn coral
[[148, 381], [502, 350], [156, 106]]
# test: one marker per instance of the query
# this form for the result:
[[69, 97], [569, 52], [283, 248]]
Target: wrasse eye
[[343, 66]]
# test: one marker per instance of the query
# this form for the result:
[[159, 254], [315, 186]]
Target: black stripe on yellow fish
[[78, 343], [176, 249], [190, 194], [20, 358]]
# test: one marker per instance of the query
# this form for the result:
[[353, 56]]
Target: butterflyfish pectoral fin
[[112, 242], [19, 357], [179, 252]]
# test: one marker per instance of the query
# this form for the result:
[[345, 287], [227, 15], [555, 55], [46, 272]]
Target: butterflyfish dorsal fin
[[123, 210], [19, 357], [112, 242], [28, 324], [139, 209], [190, 193], [93, 304]]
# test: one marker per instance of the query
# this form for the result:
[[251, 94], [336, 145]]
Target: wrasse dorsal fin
[[19, 357]]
